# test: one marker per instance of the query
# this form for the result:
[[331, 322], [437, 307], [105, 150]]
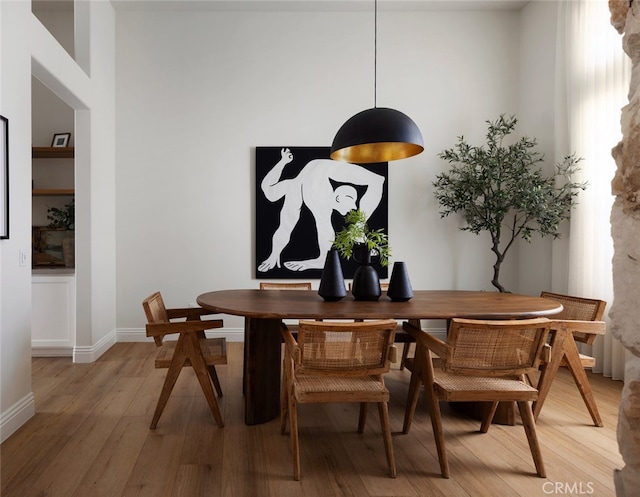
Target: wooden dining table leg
[[262, 361]]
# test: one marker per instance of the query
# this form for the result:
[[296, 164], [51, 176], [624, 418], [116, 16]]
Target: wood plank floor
[[90, 438]]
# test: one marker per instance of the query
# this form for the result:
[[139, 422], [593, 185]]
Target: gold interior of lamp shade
[[377, 152], [377, 135]]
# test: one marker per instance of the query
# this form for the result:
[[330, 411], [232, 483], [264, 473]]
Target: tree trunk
[[496, 270], [496, 275]]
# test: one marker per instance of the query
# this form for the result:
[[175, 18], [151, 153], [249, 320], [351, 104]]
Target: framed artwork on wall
[[4, 177], [48, 246], [61, 140], [301, 199]]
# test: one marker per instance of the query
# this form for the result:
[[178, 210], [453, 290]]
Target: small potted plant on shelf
[[357, 240], [500, 189], [65, 219]]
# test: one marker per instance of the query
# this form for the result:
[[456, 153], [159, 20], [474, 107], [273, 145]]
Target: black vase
[[399, 285], [366, 282], [332, 286]]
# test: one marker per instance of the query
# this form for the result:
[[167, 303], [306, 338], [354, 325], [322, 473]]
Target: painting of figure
[[301, 199]]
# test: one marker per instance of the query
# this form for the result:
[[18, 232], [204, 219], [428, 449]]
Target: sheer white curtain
[[593, 80]]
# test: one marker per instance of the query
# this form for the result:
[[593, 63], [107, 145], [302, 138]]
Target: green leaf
[[356, 232]]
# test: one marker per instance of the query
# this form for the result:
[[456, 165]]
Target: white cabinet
[[53, 312]]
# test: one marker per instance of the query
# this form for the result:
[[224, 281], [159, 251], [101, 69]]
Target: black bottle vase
[[399, 285], [366, 282], [332, 286]]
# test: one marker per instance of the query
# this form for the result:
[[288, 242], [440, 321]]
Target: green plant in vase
[[356, 232], [64, 218], [357, 240]]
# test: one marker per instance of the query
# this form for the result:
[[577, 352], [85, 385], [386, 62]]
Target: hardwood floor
[[91, 438]]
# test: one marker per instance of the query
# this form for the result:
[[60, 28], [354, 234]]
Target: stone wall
[[625, 230]]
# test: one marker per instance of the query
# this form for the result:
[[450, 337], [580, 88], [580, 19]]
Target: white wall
[[16, 399], [28, 48], [196, 92], [546, 258]]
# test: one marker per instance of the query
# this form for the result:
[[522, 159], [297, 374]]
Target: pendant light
[[379, 134]]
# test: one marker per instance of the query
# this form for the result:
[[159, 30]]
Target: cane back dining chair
[[299, 285], [481, 361], [401, 335], [337, 362], [581, 321], [306, 285], [191, 349]]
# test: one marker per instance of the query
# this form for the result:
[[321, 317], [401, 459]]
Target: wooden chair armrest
[[290, 345], [162, 329], [393, 353], [588, 327], [545, 355], [191, 313], [432, 343]]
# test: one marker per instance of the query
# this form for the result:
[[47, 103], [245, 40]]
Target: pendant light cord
[[375, 54]]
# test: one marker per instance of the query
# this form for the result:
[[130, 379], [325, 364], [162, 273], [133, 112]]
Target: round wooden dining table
[[264, 311]]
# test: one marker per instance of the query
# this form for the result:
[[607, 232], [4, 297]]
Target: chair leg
[[532, 378], [438, 432], [284, 412], [530, 429], [405, 354], [284, 404], [202, 373], [572, 357], [295, 442], [386, 434], [362, 419], [488, 417], [416, 381], [179, 358], [548, 370], [214, 378]]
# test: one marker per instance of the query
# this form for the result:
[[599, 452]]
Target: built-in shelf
[[52, 152], [52, 192]]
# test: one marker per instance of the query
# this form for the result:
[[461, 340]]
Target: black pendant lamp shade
[[375, 135], [379, 134]]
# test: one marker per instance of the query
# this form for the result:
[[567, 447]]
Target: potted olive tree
[[500, 189]]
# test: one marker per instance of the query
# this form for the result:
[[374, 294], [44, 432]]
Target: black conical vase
[[366, 282], [399, 286], [332, 286]]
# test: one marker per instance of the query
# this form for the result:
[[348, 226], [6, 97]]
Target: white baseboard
[[132, 335], [87, 354], [17, 415], [49, 351]]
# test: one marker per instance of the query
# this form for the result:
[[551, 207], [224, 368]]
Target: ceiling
[[291, 5]]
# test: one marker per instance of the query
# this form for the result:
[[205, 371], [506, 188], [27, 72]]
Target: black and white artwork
[[301, 199], [4, 177]]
